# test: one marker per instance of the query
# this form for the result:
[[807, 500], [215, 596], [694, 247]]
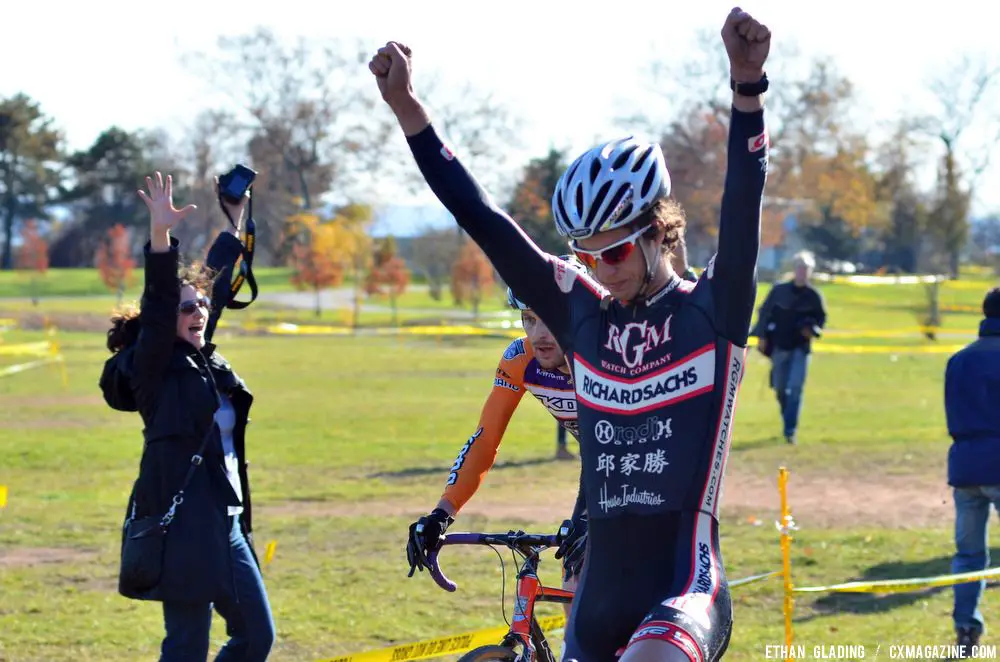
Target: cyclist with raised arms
[[534, 363], [648, 350]]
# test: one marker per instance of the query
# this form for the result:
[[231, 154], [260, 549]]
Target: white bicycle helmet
[[609, 186], [572, 260]]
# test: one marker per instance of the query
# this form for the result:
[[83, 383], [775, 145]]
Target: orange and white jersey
[[517, 372]]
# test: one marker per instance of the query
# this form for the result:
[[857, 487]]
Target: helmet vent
[[642, 159], [596, 202], [595, 170], [647, 183]]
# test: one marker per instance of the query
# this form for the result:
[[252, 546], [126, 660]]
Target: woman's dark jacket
[[165, 380]]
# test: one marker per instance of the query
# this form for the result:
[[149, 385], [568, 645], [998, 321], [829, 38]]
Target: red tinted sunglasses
[[611, 255], [188, 307]]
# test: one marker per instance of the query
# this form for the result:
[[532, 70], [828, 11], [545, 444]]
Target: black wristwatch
[[749, 89]]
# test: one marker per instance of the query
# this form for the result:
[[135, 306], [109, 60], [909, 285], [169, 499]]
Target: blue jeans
[[249, 623], [972, 514], [788, 377]]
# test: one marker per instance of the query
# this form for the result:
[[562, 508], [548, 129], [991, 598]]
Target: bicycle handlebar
[[514, 539]]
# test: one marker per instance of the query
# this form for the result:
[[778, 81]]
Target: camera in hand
[[234, 184]]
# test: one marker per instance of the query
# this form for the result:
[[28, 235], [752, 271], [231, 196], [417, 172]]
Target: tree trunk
[[357, 296], [10, 209], [319, 308], [954, 260]]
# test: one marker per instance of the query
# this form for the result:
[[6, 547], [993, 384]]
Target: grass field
[[352, 438]]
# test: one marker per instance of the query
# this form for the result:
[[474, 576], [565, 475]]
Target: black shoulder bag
[[144, 539]]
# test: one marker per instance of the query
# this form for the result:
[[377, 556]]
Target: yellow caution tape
[[3, 496], [298, 329], [316, 329], [462, 643], [871, 279], [457, 643], [912, 332], [901, 585], [21, 367], [828, 348], [40, 348]]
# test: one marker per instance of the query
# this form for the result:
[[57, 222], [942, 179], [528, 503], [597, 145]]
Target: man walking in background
[[562, 452], [972, 408], [792, 315]]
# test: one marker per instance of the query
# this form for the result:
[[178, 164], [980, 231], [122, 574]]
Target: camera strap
[[245, 273]]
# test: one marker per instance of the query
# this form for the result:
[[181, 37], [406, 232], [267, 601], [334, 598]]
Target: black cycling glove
[[572, 548], [424, 536]]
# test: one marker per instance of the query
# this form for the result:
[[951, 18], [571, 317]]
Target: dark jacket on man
[[166, 380], [787, 310], [972, 409]]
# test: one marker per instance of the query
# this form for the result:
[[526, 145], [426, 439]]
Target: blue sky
[[568, 67]]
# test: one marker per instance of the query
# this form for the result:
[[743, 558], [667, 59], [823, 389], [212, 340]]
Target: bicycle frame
[[529, 590], [524, 628]]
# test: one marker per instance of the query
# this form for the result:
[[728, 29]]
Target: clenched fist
[[748, 42], [391, 66]]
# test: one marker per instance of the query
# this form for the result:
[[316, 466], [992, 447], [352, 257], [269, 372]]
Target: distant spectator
[[972, 407], [562, 450], [792, 315]]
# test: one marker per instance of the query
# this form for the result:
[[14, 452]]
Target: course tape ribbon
[[901, 585], [457, 643], [315, 330], [828, 348], [755, 578], [461, 643], [40, 348], [21, 367]]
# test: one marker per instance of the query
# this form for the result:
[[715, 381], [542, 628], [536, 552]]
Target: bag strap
[[196, 460], [246, 264]]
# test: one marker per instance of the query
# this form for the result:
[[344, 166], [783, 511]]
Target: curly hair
[[127, 321], [667, 215], [124, 329], [197, 275]]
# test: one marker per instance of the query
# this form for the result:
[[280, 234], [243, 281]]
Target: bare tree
[[308, 120], [210, 150], [689, 109], [485, 129], [434, 251], [965, 95]]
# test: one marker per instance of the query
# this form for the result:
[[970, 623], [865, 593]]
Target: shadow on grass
[[873, 603], [436, 470]]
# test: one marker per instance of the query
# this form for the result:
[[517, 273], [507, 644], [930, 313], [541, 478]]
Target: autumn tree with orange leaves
[[388, 275], [696, 149], [114, 260], [33, 257], [325, 250], [471, 276], [531, 203]]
